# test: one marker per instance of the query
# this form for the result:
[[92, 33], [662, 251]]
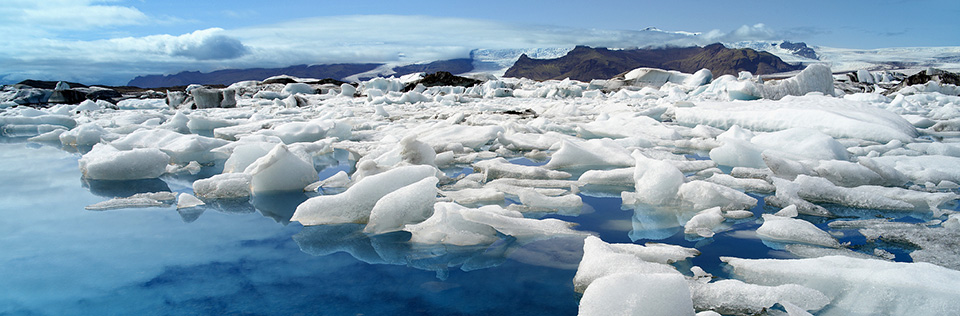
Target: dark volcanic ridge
[[585, 63], [332, 71]]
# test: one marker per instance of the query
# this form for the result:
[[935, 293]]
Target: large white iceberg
[[861, 286], [355, 204], [105, 162]]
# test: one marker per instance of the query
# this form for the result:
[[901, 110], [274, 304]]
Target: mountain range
[[585, 63]]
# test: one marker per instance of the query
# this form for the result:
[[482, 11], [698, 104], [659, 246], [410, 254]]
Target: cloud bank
[[342, 39]]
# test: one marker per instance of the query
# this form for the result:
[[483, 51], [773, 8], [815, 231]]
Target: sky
[[112, 41]]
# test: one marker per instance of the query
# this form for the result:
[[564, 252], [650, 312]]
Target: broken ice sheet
[[157, 199], [937, 245]]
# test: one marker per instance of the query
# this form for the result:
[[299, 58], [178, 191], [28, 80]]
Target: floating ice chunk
[[142, 104], [407, 205], [738, 214], [601, 259], [186, 200], [708, 313], [737, 153], [861, 286], [657, 182], [347, 90], [199, 122], [155, 199], [655, 77], [700, 195], [564, 203], [591, 153], [338, 180], [529, 141], [814, 78], [512, 223], [545, 187], [788, 194], [87, 105], [471, 196], [632, 293], [937, 245], [870, 197], [622, 126], [785, 229], [280, 170], [83, 135], [51, 136], [408, 150], [448, 226], [41, 118], [355, 204], [181, 148], [750, 185], [921, 169], [704, 223], [105, 162], [952, 222], [734, 297], [501, 168], [789, 211], [802, 143], [469, 136], [614, 177], [794, 310], [297, 87], [223, 186], [293, 132], [245, 154], [838, 118]]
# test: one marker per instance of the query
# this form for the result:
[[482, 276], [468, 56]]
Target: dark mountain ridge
[[585, 63], [333, 71], [230, 76]]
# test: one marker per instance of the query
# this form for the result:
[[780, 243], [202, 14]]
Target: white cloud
[[67, 15]]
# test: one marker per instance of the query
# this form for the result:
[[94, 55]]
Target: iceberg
[[355, 204], [105, 162], [407, 205], [280, 170], [837, 118], [860, 286]]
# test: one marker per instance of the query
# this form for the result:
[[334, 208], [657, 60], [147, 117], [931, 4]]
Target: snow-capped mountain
[[847, 59]]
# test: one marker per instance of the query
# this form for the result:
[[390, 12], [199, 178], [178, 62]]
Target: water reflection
[[278, 206], [395, 249], [124, 188], [655, 223], [190, 214]]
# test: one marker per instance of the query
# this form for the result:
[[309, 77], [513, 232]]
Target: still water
[[56, 258]]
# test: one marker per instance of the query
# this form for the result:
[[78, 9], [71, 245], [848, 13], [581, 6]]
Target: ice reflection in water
[[227, 260]]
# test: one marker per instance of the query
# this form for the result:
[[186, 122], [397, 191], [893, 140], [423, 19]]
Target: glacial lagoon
[[247, 258]]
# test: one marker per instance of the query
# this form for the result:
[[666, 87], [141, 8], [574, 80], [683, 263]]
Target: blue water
[[246, 257]]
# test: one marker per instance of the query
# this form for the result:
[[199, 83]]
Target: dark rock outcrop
[[230, 76], [334, 73], [585, 63], [442, 78], [800, 49], [49, 85], [68, 96], [456, 66], [937, 75]]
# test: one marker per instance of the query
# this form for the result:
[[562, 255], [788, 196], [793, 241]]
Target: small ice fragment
[[186, 200]]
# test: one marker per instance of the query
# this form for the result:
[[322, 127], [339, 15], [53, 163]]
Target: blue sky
[[110, 42]]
